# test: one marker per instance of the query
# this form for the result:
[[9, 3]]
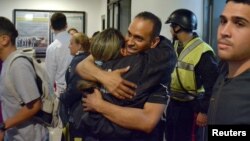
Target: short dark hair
[[58, 21], [72, 29], [95, 33], [8, 28], [154, 19], [240, 1]]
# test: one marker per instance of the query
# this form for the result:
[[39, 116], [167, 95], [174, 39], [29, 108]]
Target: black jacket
[[72, 95]]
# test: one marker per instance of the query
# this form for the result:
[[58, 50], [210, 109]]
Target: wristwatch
[[2, 127]]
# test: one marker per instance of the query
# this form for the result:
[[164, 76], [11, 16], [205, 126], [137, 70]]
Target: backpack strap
[[8, 80]]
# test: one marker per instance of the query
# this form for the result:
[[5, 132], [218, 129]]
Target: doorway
[[212, 11], [119, 14]]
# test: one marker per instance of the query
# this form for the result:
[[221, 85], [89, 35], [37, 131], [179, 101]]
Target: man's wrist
[[100, 107], [100, 75]]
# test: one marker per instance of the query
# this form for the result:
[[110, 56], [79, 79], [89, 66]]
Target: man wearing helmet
[[192, 79]]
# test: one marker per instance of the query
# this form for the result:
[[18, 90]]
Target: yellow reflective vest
[[184, 73]]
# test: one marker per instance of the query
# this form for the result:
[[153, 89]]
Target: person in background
[[58, 55], [192, 79], [79, 48], [72, 31], [18, 123], [230, 104]]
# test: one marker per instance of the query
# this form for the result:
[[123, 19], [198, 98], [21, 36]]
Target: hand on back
[[118, 86]]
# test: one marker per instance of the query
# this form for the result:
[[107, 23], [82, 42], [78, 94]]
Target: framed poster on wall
[[34, 27]]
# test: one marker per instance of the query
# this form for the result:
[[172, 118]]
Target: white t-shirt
[[58, 59], [22, 77]]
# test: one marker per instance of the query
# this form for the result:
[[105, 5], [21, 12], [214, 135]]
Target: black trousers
[[179, 121]]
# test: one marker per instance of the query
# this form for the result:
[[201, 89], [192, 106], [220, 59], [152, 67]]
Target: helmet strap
[[177, 31], [174, 39]]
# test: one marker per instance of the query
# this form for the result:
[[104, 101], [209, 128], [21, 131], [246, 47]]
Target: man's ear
[[79, 46], [155, 42], [4, 40]]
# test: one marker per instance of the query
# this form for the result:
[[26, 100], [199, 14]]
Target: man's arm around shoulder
[[112, 81]]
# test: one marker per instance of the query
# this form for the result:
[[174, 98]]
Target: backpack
[[48, 115]]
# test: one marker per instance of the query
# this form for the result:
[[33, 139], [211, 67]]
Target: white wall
[[104, 11], [93, 8], [163, 8]]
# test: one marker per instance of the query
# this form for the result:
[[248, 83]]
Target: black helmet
[[184, 18]]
